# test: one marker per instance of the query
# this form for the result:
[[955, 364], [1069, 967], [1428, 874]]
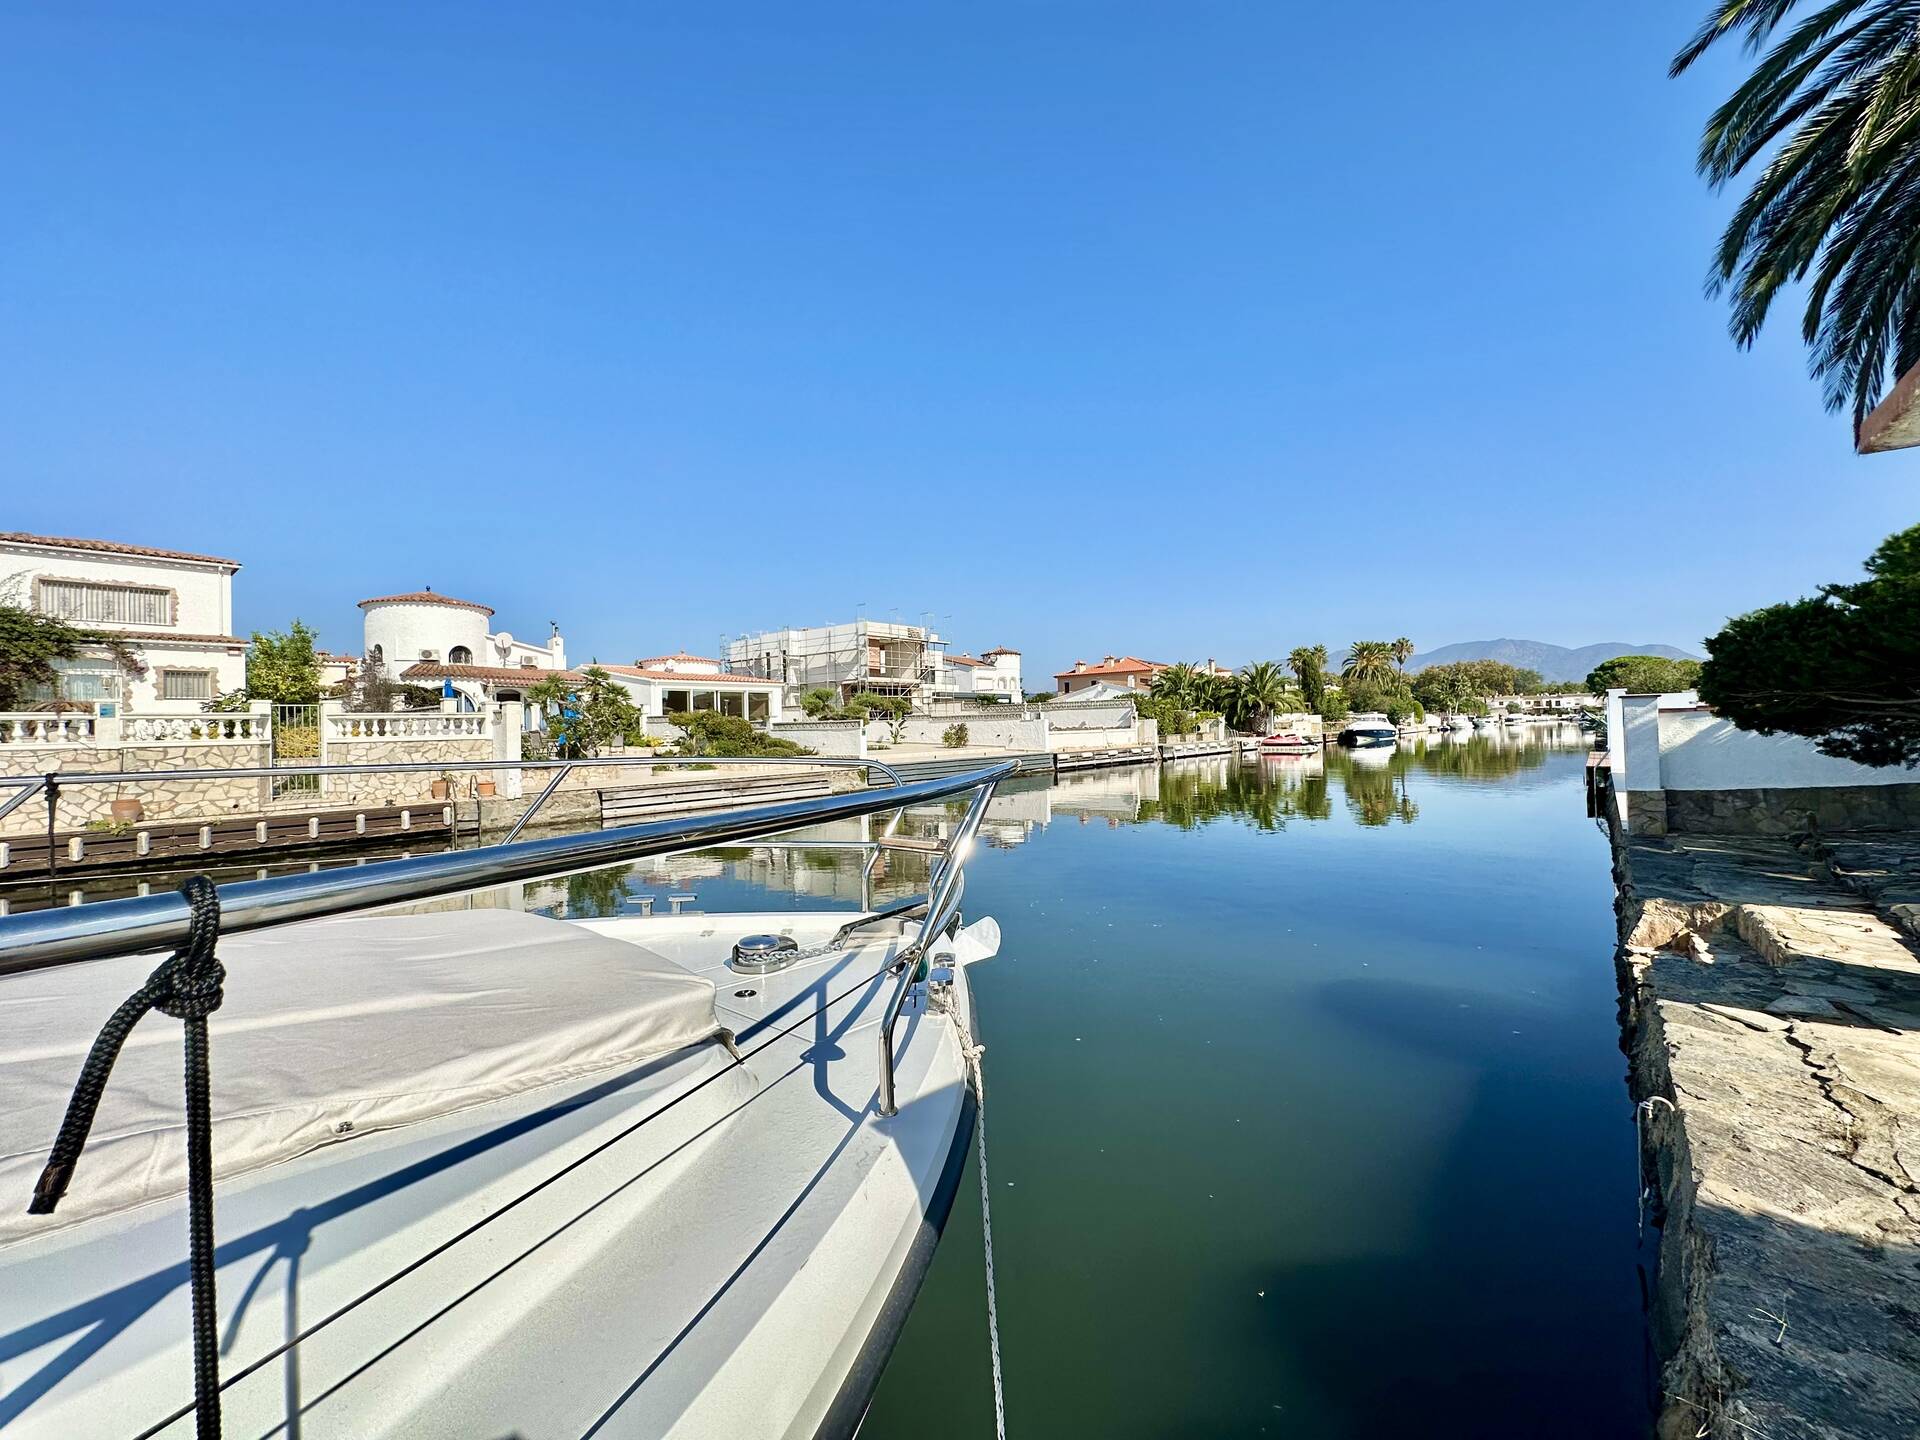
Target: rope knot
[[187, 992], [187, 984]]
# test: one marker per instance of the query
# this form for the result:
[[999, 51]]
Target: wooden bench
[[632, 804]]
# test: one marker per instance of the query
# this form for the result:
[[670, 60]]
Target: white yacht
[[1368, 730], [479, 1172]]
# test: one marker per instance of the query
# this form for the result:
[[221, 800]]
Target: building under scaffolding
[[878, 656]]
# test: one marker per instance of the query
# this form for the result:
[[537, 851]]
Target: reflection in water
[[1266, 792]]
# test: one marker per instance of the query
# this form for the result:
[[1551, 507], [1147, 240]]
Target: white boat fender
[[979, 941]]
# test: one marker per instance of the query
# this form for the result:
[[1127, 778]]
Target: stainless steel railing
[[49, 785], [37, 939], [41, 939], [943, 905]]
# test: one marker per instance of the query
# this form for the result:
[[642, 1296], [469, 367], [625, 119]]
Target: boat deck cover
[[330, 1029]]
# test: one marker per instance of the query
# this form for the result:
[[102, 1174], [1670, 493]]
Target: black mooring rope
[[187, 987]]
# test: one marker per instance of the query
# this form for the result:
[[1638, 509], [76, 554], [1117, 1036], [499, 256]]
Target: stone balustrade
[[408, 725], [46, 729], [239, 728]]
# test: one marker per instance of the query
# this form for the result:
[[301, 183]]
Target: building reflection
[[841, 865]]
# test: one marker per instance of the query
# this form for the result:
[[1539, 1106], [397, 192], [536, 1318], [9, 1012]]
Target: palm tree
[[1402, 652], [1263, 690], [1837, 198], [1367, 660], [1179, 684]]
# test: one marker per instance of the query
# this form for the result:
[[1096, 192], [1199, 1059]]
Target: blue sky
[[1185, 329]]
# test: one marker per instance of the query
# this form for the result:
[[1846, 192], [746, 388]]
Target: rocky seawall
[[1771, 1017]]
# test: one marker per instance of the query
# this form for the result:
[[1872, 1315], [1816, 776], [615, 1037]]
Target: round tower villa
[[424, 627]]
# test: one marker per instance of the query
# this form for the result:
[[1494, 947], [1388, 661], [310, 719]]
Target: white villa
[[996, 672], [664, 685], [426, 638], [172, 608]]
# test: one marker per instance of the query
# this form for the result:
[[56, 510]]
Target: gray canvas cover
[[330, 1029]]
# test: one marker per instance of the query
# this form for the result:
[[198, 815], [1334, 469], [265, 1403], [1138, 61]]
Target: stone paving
[[1772, 1018]]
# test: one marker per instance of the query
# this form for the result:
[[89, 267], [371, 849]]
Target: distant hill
[[1554, 662]]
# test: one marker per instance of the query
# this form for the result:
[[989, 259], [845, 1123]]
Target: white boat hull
[[701, 1246]]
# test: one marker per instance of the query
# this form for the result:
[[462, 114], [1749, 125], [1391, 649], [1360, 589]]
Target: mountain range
[[1554, 662]]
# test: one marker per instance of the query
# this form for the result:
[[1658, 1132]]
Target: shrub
[[297, 742], [818, 703], [711, 733], [954, 736]]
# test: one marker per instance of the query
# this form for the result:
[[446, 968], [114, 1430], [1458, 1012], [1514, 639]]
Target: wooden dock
[[1095, 759], [225, 841]]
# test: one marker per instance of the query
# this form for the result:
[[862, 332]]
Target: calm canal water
[[1306, 1111], [1306, 1104]]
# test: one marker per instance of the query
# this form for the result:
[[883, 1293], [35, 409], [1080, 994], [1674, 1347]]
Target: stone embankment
[[1771, 1009]]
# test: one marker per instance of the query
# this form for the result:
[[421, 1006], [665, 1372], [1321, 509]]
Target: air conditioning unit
[[429, 654]]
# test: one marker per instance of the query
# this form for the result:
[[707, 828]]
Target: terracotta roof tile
[[161, 637], [694, 679], [1000, 650], [519, 674], [1120, 665], [680, 655], [426, 597], [112, 547]]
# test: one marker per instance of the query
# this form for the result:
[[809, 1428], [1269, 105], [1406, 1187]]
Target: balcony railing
[[405, 725], [234, 729], [37, 728]]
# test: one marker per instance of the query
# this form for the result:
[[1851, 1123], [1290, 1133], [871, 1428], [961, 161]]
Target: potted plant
[[443, 787], [124, 811], [484, 788]]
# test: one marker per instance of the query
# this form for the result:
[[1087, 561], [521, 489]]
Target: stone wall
[[80, 805], [1775, 812], [1003, 726], [403, 787]]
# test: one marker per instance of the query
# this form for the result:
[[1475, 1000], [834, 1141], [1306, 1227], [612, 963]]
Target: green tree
[[893, 709], [1309, 666], [1263, 690], [1402, 652], [1842, 668], [1179, 684], [283, 666], [1368, 660], [710, 733], [588, 715], [1827, 117], [371, 688], [818, 702], [1643, 674], [30, 643]]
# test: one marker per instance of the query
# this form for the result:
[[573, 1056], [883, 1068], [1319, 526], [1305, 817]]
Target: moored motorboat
[[1287, 744], [1368, 730], [484, 1172]]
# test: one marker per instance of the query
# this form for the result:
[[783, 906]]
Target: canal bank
[[1770, 1011]]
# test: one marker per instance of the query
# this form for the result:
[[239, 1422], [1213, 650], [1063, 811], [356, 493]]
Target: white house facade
[[426, 626], [995, 672], [662, 685], [172, 609]]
